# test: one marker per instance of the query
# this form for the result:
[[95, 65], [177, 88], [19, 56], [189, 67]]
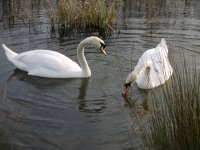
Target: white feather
[[47, 63], [153, 68]]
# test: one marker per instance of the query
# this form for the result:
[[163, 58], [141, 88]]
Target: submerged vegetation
[[89, 14], [174, 121]]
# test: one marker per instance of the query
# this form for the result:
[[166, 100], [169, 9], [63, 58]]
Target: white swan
[[152, 70], [51, 64]]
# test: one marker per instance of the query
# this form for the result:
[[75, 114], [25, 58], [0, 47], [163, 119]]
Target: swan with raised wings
[[152, 69], [51, 64]]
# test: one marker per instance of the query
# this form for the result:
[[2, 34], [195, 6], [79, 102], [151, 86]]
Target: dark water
[[60, 114]]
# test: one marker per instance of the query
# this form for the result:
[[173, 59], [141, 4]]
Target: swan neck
[[82, 60], [133, 76]]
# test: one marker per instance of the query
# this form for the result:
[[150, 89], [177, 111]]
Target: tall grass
[[175, 111], [70, 14]]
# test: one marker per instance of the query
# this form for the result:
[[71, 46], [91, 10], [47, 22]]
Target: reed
[[7, 126], [18, 10], [71, 14], [175, 111], [3, 135], [153, 9], [7, 130], [2, 138]]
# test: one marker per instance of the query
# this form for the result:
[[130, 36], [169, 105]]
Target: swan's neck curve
[[82, 60], [133, 76]]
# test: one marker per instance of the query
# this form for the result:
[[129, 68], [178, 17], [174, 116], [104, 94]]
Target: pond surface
[[87, 114]]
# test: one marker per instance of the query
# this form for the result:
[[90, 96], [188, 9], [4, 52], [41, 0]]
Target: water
[[60, 114]]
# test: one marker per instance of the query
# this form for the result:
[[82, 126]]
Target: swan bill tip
[[104, 52]]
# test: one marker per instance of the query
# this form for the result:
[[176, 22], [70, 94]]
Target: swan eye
[[103, 45]]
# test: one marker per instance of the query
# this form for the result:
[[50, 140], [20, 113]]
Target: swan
[[152, 69], [51, 64]]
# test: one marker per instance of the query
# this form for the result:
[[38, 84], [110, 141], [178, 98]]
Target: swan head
[[97, 42], [102, 48], [126, 88], [131, 78]]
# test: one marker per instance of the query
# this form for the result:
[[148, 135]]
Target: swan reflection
[[87, 104], [133, 102], [63, 90]]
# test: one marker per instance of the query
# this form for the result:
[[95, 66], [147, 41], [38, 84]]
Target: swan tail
[[9, 53]]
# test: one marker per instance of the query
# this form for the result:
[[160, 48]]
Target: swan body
[[152, 69], [51, 64]]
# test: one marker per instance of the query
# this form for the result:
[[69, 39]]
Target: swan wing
[[158, 74], [161, 63], [46, 63], [160, 70], [162, 49]]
